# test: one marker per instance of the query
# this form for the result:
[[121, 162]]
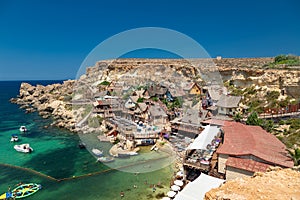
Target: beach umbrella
[[180, 173], [175, 188], [165, 198], [178, 182], [171, 194]]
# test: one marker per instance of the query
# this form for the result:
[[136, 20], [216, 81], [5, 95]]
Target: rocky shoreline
[[51, 101]]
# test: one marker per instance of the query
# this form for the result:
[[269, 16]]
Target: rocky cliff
[[48, 101], [55, 100], [243, 72], [279, 184]]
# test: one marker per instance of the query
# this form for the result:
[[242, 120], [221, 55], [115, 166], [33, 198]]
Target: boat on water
[[23, 129], [97, 152], [123, 155], [132, 153], [105, 159], [25, 190], [6, 195], [81, 145], [22, 191], [24, 148], [14, 138]]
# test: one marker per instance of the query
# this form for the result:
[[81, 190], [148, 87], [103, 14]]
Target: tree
[[295, 154], [237, 117], [254, 120], [268, 125], [178, 102]]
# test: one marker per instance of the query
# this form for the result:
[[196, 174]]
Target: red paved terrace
[[244, 140]]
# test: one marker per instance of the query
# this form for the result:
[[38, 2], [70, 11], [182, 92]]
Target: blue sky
[[50, 39]]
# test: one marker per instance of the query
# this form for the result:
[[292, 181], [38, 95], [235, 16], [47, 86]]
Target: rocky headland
[[49, 101]]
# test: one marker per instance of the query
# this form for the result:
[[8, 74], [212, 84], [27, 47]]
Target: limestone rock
[[277, 183]]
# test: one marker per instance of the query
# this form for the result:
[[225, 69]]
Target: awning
[[175, 188], [171, 194], [205, 137], [196, 190], [178, 182]]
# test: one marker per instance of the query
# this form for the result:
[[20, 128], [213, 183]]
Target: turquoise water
[[56, 156]]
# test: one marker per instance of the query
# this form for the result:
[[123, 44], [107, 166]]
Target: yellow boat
[[6, 195]]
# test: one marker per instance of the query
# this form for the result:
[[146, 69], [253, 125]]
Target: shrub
[[104, 83], [254, 120], [140, 100], [272, 95]]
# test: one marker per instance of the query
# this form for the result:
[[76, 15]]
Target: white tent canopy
[[196, 190], [205, 137]]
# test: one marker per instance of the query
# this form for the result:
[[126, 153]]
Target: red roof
[[240, 139], [247, 164]]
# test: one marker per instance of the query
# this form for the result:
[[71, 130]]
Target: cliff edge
[[277, 183]]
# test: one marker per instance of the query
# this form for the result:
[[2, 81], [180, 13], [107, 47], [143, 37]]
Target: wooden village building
[[228, 105], [190, 123]]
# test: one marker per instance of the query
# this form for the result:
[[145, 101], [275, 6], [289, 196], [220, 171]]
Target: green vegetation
[[290, 135], [154, 98], [254, 120], [289, 60], [237, 117], [141, 87], [140, 100], [268, 125], [295, 154], [177, 103], [104, 83], [286, 60]]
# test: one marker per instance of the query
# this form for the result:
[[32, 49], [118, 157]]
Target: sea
[[64, 170]]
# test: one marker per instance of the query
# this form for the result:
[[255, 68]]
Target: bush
[[140, 100], [254, 120], [287, 60], [268, 125], [104, 83], [272, 95]]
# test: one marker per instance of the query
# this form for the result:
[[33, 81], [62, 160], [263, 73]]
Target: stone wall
[[233, 173]]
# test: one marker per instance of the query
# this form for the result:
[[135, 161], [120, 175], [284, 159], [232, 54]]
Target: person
[[122, 194], [134, 186], [154, 188], [19, 184]]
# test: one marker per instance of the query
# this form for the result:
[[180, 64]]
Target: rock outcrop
[[49, 101], [277, 183]]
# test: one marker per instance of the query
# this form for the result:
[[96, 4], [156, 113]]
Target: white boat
[[23, 129], [14, 138], [132, 153], [24, 148], [105, 159], [97, 152]]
